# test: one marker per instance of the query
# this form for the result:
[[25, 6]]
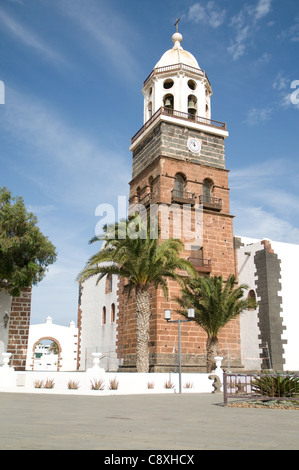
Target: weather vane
[[176, 24]]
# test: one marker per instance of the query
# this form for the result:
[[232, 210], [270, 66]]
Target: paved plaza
[[137, 422]]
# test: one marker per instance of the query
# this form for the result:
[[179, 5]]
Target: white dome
[[177, 55]]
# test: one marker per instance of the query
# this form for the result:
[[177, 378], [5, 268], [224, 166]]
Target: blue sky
[[73, 72]]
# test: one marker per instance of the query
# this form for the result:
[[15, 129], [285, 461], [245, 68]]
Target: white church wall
[[249, 330], [288, 254], [97, 336]]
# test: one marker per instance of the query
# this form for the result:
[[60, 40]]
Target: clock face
[[194, 145]]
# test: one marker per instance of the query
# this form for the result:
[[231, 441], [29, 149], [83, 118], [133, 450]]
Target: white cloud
[[281, 82], [59, 286], [259, 116], [73, 172], [209, 13], [264, 171], [262, 9], [263, 59], [61, 154], [291, 33], [245, 24], [256, 222], [264, 200], [237, 48], [111, 35], [30, 39], [39, 209]]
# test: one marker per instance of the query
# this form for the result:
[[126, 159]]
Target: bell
[[167, 103], [191, 106]]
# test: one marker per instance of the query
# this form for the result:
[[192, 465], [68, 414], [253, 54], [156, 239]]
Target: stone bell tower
[[179, 160]]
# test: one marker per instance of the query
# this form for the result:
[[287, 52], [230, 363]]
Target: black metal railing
[[180, 115], [201, 264], [210, 202], [182, 196], [265, 386]]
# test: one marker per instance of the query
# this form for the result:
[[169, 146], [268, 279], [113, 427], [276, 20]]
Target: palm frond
[[215, 302], [142, 260]]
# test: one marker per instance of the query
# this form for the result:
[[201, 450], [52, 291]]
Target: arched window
[[104, 316], [179, 184], [207, 190], [251, 296], [108, 283], [112, 313]]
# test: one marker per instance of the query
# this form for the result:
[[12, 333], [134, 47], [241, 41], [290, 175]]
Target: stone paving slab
[[141, 422]]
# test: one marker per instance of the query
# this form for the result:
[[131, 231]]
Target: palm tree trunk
[[212, 351], [142, 329]]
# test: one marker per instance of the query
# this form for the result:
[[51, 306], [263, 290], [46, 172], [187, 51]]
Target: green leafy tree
[[25, 253], [130, 252], [215, 303]]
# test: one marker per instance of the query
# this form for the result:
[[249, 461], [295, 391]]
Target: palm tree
[[54, 348], [215, 303], [143, 262]]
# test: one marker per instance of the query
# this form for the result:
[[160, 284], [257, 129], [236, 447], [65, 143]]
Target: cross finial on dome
[[177, 37], [176, 24]]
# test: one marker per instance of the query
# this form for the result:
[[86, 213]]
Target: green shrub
[[270, 385]]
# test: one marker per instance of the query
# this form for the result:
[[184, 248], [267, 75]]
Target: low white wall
[[129, 383]]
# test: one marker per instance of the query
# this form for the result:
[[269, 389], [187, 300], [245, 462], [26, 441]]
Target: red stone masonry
[[156, 161], [19, 322]]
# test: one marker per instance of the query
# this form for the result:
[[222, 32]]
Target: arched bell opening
[[192, 106], [168, 101]]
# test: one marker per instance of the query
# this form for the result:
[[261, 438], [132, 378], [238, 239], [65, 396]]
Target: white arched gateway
[[66, 340]]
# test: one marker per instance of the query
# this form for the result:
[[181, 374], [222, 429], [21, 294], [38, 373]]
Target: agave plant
[[97, 384], [49, 383], [113, 384], [276, 385]]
